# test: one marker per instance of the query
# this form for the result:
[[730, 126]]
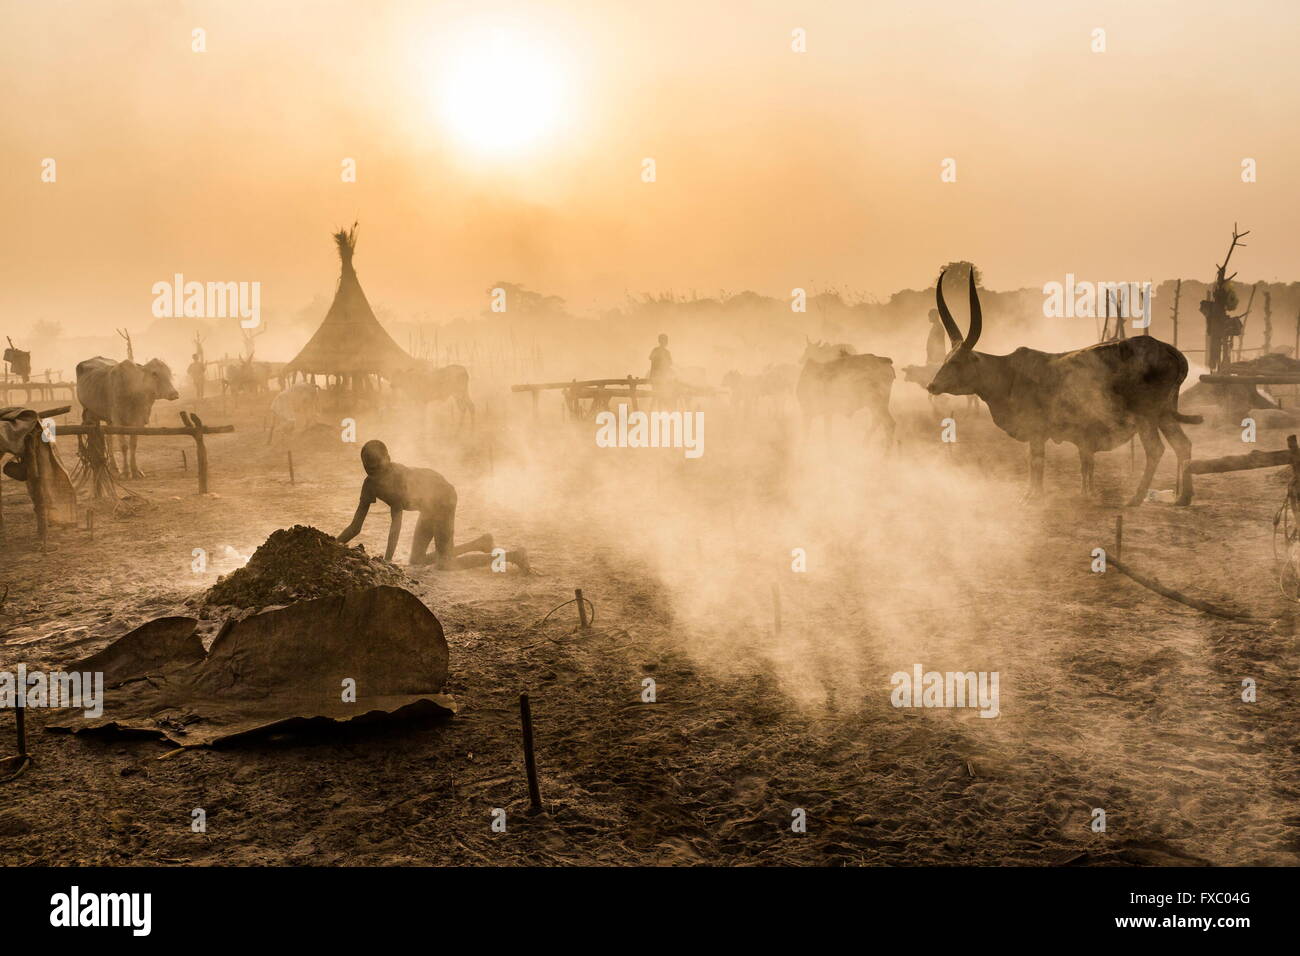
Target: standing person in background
[[936, 343], [661, 373], [198, 373]]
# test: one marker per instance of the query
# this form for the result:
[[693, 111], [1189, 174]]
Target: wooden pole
[[20, 725], [185, 463], [530, 758], [291, 481], [1268, 321], [201, 458], [582, 608], [1119, 536]]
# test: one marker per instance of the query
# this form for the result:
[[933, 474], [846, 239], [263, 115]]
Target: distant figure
[[936, 343], [425, 491], [198, 373], [661, 372]]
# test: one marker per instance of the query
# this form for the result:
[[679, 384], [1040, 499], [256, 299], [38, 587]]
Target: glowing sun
[[498, 95]]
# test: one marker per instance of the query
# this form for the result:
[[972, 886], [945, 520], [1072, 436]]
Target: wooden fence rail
[[193, 427], [1217, 466]]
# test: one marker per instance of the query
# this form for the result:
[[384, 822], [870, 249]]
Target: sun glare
[[498, 95]]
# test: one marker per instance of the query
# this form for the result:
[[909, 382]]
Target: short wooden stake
[[90, 523], [582, 608], [20, 718], [185, 463], [200, 454], [530, 758], [291, 481], [1119, 536]]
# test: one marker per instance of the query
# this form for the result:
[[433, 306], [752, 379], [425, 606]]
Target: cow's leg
[[1037, 461], [1179, 442], [135, 468], [123, 447], [466, 408], [889, 425], [1087, 462], [1154, 448]]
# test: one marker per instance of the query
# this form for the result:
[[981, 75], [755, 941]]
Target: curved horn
[[976, 316], [944, 315]]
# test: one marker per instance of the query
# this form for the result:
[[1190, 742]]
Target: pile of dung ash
[[298, 564]]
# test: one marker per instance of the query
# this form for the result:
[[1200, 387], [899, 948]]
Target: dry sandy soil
[[1111, 697]]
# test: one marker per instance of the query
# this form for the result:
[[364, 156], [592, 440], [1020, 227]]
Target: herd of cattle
[[1095, 398]]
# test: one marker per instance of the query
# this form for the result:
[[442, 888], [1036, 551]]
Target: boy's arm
[[394, 532], [358, 519]]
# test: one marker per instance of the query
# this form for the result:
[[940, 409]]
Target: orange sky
[[775, 169]]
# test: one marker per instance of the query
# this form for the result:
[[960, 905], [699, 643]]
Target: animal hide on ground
[[282, 669]]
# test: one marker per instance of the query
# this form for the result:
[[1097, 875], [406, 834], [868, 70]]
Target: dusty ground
[[1112, 697]]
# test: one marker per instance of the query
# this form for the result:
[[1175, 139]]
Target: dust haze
[[754, 606]]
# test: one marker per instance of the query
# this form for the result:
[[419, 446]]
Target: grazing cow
[[1095, 397], [122, 393], [294, 409], [840, 382], [428, 384]]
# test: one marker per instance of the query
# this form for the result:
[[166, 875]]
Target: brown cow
[[122, 393], [1095, 398], [837, 381], [428, 384]]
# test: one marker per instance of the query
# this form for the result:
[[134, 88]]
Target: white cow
[[294, 409]]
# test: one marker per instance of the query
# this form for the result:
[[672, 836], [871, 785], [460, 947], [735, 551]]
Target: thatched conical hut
[[350, 343]]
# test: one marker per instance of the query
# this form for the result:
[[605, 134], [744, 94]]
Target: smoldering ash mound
[[298, 564]]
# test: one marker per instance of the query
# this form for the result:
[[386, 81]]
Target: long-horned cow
[[429, 384], [123, 393], [836, 381], [1095, 397]]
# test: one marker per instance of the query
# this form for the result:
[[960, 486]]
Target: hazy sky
[[774, 169]]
